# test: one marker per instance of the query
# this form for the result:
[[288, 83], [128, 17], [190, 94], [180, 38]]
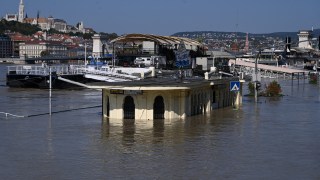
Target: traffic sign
[[235, 86]]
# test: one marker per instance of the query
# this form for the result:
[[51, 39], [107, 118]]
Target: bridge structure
[[267, 70]]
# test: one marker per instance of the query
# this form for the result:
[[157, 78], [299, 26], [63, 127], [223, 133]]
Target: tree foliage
[[87, 36], [28, 29], [273, 89], [110, 36], [313, 79], [251, 88], [14, 26], [44, 53]]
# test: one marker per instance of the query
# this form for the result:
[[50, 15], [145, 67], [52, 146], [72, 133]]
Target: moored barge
[[28, 76]]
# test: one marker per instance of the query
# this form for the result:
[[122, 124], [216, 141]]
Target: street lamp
[[85, 53]]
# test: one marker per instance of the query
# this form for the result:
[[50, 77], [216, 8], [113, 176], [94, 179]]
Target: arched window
[[158, 108], [128, 108]]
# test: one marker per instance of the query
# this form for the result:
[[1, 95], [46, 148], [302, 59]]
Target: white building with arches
[[159, 98]]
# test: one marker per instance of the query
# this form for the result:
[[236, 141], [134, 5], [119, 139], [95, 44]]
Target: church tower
[[21, 11]]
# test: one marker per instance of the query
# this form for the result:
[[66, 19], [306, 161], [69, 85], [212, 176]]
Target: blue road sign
[[235, 86]]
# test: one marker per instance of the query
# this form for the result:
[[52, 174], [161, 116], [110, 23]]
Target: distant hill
[[221, 34]]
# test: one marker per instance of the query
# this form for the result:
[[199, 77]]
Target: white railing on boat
[[44, 70]]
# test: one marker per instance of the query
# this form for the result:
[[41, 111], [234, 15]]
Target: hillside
[[13, 26], [223, 35]]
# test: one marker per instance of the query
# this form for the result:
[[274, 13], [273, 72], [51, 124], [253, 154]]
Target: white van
[[145, 61], [158, 61]]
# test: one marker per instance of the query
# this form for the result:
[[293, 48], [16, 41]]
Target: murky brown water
[[273, 139]]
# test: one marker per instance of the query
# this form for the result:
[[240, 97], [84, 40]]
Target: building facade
[[305, 39], [48, 23], [172, 101], [100, 46], [41, 48], [6, 47]]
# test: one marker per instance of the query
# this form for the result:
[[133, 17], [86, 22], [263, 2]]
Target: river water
[[273, 139]]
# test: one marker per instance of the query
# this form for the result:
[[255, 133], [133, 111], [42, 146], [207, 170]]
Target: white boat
[[117, 74]]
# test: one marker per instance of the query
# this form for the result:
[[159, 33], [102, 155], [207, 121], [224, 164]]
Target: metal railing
[[44, 70]]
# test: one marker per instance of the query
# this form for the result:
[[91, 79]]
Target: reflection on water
[[158, 131], [273, 139]]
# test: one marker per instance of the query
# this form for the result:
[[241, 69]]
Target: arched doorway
[[128, 108], [158, 108]]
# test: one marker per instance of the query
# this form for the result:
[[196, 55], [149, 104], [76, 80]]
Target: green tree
[[44, 53], [273, 89], [87, 36], [14, 26], [251, 88], [313, 79]]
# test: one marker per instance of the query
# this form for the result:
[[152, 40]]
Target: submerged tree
[[313, 79], [251, 88], [273, 89]]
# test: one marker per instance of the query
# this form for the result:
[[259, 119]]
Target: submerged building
[[162, 93], [166, 97]]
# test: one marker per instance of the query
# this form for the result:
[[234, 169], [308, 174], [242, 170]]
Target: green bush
[[273, 89], [251, 88], [313, 79]]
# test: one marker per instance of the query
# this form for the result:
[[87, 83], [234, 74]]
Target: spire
[[21, 11], [38, 16]]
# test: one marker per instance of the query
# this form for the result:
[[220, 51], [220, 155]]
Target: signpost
[[234, 86]]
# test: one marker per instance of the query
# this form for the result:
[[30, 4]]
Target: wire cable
[[47, 113]]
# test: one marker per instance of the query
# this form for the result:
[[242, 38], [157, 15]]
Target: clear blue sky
[[166, 17]]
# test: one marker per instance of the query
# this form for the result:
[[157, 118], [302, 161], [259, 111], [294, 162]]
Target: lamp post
[[50, 90], [256, 77], [85, 54]]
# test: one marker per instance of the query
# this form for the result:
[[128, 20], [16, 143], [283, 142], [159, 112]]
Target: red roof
[[19, 37]]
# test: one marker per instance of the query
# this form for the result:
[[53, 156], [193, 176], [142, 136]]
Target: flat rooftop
[[160, 83]]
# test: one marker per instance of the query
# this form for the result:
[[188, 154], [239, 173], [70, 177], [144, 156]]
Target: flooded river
[[271, 139]]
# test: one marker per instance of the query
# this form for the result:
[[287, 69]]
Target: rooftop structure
[[21, 11], [159, 40], [100, 46], [305, 39]]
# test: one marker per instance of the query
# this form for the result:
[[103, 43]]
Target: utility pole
[[85, 54], [256, 77], [50, 89]]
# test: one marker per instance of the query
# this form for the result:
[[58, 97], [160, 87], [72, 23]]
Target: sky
[[166, 17]]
